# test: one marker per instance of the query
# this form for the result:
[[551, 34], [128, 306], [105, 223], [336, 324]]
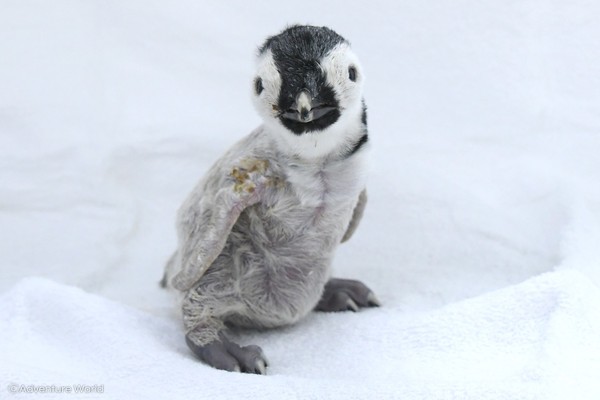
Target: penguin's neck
[[337, 141]]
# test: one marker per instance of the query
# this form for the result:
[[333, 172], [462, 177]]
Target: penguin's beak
[[304, 110]]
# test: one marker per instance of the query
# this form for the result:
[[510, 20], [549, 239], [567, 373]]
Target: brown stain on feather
[[241, 174]]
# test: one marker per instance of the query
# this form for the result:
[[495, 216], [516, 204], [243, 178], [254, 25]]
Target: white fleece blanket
[[535, 340]]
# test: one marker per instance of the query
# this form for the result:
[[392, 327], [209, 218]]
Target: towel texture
[[535, 340]]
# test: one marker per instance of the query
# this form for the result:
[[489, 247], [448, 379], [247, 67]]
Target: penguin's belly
[[282, 259]]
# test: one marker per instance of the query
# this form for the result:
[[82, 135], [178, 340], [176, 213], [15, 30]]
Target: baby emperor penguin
[[258, 234]]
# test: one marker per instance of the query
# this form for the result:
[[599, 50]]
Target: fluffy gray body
[[258, 233], [277, 256]]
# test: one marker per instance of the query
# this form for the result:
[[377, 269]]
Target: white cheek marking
[[267, 71], [335, 65]]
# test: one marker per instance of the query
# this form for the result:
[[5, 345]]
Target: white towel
[[535, 340]]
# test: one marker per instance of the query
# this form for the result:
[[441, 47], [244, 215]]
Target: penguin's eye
[[352, 73], [258, 86]]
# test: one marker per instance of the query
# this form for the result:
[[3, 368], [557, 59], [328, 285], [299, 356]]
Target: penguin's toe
[[346, 295], [229, 356], [216, 355], [250, 358]]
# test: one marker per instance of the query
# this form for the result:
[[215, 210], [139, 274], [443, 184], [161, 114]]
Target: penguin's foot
[[346, 295], [229, 356]]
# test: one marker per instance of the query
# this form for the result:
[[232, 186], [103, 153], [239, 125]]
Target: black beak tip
[[304, 114]]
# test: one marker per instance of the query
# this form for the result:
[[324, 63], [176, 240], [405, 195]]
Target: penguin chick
[[258, 233]]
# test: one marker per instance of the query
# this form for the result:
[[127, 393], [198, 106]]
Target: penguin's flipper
[[207, 224], [356, 215]]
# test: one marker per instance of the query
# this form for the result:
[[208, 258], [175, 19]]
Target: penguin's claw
[[261, 367], [373, 300], [352, 306]]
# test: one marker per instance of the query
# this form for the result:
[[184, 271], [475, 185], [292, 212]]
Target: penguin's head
[[308, 88]]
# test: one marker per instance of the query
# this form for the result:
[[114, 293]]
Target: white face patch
[[336, 66], [266, 101]]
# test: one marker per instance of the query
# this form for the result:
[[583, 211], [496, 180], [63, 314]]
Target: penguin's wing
[[206, 224], [356, 215]]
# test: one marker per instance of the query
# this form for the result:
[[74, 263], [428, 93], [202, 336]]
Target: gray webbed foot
[[229, 356], [346, 295]]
